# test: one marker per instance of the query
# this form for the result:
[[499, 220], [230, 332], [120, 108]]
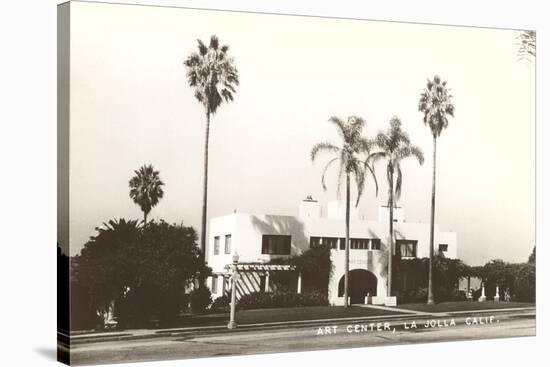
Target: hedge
[[281, 299]]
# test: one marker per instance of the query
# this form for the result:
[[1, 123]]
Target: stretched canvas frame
[[183, 193]]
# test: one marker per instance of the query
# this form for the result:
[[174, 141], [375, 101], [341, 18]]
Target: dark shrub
[[412, 295], [525, 284], [518, 278], [200, 299], [316, 267], [221, 304], [281, 299], [411, 278], [144, 270], [418, 295]]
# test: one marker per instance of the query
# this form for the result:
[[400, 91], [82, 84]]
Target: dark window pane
[[214, 284], [406, 248], [228, 244], [359, 243], [216, 245], [314, 241], [276, 244], [330, 242]]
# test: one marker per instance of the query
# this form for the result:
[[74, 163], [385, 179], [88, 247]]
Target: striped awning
[[261, 267]]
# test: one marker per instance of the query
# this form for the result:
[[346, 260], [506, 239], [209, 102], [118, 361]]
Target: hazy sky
[[131, 104]]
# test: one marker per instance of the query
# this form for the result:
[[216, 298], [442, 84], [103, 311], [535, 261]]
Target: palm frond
[[317, 148], [389, 177], [350, 154], [341, 171], [325, 171], [395, 146], [436, 103], [359, 174], [527, 44], [203, 50], [212, 74], [376, 157], [398, 183], [214, 42], [146, 188], [342, 128], [417, 152], [372, 171]]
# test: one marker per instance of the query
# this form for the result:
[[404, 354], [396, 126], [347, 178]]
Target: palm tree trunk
[[205, 187], [144, 219], [346, 266], [432, 221], [390, 252]]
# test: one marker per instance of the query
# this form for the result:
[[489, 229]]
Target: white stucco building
[[258, 239]]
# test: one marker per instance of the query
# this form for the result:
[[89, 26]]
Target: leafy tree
[[410, 276], [498, 273], [395, 146], [519, 278], [146, 189], [348, 157], [533, 257], [315, 266], [145, 270], [435, 103], [211, 72], [102, 267], [200, 298], [525, 283]]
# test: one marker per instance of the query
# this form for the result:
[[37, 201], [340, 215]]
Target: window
[[355, 243], [443, 247], [214, 284], [227, 244], [359, 244], [406, 248], [314, 242], [216, 245], [275, 244], [330, 242]]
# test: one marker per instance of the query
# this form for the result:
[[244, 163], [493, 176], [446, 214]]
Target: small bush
[[220, 304], [200, 299], [525, 284], [281, 299]]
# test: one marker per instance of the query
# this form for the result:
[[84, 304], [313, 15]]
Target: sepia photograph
[[236, 183]]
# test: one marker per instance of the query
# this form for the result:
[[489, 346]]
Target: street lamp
[[234, 277]]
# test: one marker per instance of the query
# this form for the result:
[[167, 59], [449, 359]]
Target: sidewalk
[[398, 315]]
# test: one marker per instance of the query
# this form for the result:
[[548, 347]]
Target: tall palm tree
[[146, 189], [395, 146], [211, 72], [348, 156], [435, 103]]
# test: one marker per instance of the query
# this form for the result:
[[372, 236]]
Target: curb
[[274, 325]]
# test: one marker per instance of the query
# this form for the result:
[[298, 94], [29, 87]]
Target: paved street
[[323, 336]]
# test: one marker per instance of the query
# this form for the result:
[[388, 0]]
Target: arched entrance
[[361, 283]]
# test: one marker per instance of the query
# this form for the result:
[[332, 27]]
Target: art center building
[[261, 240]]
